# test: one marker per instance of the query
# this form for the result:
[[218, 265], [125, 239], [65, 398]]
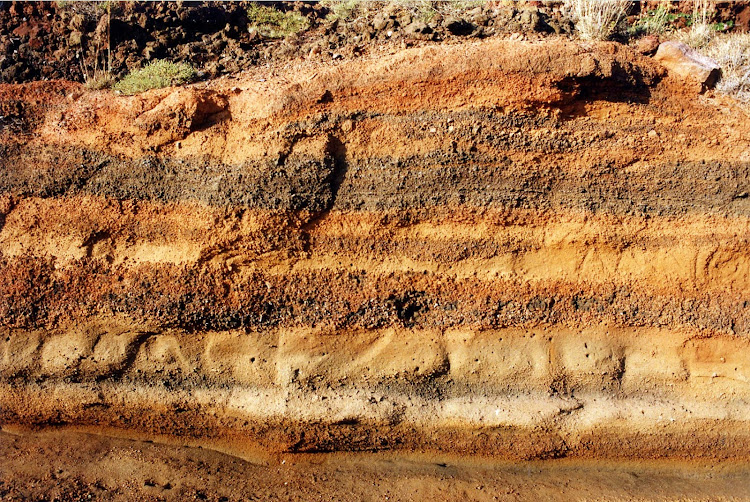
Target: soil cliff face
[[524, 250]]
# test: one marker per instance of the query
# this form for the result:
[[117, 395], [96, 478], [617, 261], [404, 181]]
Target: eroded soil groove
[[515, 249]]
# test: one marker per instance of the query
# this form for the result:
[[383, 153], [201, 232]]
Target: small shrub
[[426, 10], [697, 36], [104, 5], [732, 52], [461, 6], [273, 23], [157, 74], [597, 19], [423, 10], [701, 30], [108, 6], [96, 69], [342, 9], [655, 22], [703, 12], [99, 80]]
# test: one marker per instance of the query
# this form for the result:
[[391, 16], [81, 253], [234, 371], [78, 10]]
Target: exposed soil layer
[[64, 465], [516, 250]]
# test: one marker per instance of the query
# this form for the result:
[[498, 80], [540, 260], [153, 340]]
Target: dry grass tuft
[[98, 80], [422, 10], [701, 31], [597, 19], [655, 22], [732, 52]]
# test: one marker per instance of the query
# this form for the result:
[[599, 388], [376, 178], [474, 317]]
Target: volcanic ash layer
[[526, 250]]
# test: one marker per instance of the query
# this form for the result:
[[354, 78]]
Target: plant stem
[[109, 37]]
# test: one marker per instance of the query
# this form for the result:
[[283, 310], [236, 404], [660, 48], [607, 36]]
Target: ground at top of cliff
[[80, 40]]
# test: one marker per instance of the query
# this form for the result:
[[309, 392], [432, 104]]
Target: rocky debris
[[647, 45], [681, 60], [729, 13], [51, 40], [457, 26], [382, 21], [419, 29]]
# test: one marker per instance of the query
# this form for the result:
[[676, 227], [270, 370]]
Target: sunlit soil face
[[440, 271]]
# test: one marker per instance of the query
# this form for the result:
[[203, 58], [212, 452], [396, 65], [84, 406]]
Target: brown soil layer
[[66, 465], [508, 249]]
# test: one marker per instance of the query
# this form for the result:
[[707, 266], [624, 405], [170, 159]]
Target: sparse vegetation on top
[[700, 31], [597, 19], [732, 52], [342, 9], [98, 75], [98, 80], [655, 22], [274, 23], [422, 10], [427, 9], [155, 75]]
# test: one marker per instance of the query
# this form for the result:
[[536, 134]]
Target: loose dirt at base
[[65, 465]]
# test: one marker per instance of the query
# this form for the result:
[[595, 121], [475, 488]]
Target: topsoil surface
[[70, 40]]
